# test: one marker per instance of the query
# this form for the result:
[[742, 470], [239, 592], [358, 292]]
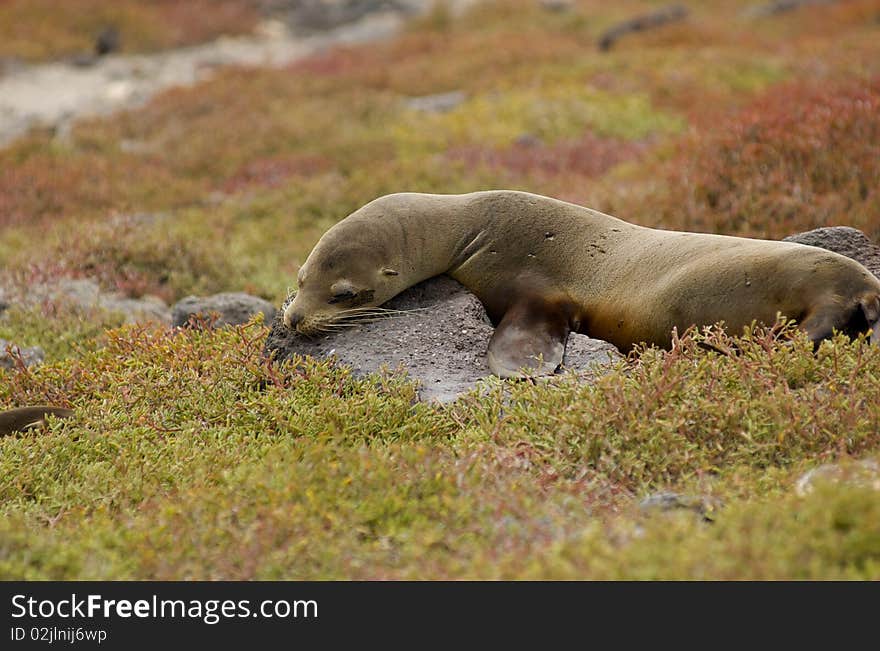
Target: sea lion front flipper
[[529, 340]]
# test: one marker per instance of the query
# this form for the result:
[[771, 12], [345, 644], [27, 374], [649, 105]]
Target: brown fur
[[543, 267], [24, 418]]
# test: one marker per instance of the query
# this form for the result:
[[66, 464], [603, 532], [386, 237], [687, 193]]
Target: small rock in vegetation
[[233, 308], [702, 505], [440, 103], [321, 15], [658, 18], [9, 352], [87, 294], [107, 41], [556, 5], [864, 473], [782, 6]]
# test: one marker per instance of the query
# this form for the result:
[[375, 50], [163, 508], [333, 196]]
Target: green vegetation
[[302, 471], [191, 457], [60, 330]]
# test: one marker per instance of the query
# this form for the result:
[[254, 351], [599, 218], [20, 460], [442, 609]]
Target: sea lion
[[24, 418], [543, 268]]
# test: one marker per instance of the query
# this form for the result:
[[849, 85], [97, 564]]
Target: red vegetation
[[335, 62], [801, 156], [357, 61], [274, 171], [196, 21], [37, 188], [34, 189], [589, 156]]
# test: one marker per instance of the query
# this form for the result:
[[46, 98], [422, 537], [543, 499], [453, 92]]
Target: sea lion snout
[[291, 319]]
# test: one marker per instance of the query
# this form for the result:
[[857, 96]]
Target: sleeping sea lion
[[544, 268]]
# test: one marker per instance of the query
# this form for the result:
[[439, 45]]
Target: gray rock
[[137, 310], [79, 291], [781, 7], [440, 103], [442, 342], [652, 20], [844, 240], [528, 140], [306, 16], [864, 473], [30, 356], [233, 308], [702, 505], [556, 6], [86, 294], [315, 16]]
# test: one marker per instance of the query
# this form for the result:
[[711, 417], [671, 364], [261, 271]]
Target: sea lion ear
[[388, 271]]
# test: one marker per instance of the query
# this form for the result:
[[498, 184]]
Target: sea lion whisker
[[352, 315], [379, 308], [411, 311], [371, 318], [327, 327], [366, 315], [363, 314]]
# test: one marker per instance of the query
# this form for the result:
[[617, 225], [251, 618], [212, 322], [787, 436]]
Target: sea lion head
[[344, 278]]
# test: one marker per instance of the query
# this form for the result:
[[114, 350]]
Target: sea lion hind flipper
[[871, 309], [863, 317], [528, 341]]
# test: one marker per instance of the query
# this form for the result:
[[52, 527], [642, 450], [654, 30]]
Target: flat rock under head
[[442, 342]]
